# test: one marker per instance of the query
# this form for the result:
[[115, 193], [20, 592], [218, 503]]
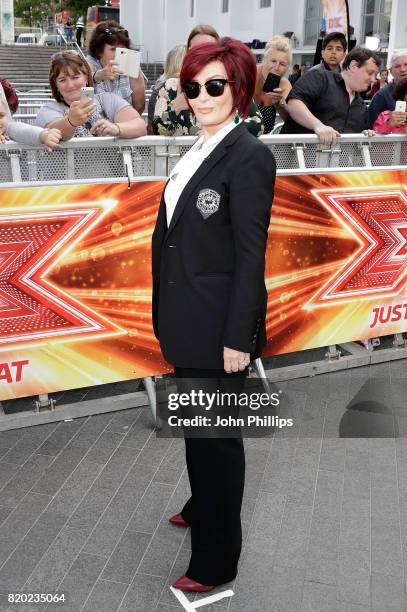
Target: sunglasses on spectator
[[214, 88], [112, 31], [62, 54]]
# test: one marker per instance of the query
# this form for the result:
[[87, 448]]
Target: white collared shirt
[[188, 165]]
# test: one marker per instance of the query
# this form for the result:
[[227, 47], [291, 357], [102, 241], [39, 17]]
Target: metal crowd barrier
[[30, 115], [24, 86], [30, 103], [35, 93], [87, 159], [106, 157], [25, 117], [30, 106]]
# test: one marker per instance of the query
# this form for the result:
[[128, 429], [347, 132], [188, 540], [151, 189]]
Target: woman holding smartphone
[[77, 112], [394, 122], [209, 293], [272, 87], [107, 77]]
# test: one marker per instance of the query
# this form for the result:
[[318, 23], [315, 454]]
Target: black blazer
[[208, 266]]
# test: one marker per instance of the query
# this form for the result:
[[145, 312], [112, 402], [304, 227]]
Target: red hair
[[239, 63]]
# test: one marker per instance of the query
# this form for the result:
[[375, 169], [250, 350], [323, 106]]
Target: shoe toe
[[187, 584], [177, 519]]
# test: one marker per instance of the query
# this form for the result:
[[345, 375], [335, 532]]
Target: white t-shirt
[[183, 171]]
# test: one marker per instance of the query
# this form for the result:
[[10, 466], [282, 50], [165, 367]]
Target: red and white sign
[[336, 15]]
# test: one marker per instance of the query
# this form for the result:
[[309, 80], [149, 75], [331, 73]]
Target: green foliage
[[78, 7], [31, 12], [42, 8]]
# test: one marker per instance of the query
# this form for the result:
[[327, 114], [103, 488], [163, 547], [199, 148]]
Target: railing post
[[328, 157], [365, 147], [397, 152], [333, 354], [15, 167], [299, 152], [32, 167], [70, 163], [161, 160], [399, 341], [128, 161]]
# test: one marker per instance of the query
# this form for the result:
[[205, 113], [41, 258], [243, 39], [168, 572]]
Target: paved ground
[[84, 507]]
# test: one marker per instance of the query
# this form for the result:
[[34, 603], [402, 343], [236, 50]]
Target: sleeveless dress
[[269, 117]]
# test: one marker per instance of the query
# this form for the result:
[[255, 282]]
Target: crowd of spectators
[[325, 100], [328, 103], [384, 99], [175, 117]]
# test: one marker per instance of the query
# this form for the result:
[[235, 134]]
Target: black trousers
[[216, 470], [79, 36]]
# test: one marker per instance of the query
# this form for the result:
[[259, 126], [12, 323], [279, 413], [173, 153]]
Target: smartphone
[[272, 82], [400, 106], [87, 92], [128, 60]]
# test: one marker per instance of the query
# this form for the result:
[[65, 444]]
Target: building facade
[[157, 25]]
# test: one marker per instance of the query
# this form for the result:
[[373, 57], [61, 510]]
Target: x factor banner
[[75, 277], [335, 15]]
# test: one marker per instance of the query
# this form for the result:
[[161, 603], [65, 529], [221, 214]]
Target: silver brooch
[[207, 202]]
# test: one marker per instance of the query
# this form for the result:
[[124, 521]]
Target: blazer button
[[172, 246], [171, 282]]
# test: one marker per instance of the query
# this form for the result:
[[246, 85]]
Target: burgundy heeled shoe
[[178, 520], [186, 584]]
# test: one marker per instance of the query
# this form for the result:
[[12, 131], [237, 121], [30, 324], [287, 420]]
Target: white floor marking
[[184, 601], [191, 606], [212, 598]]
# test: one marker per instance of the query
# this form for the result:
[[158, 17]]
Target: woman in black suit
[[209, 295]]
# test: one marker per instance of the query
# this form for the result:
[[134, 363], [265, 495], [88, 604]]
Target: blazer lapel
[[210, 162]]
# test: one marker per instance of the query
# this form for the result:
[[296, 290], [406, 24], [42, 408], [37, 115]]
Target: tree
[[31, 12], [79, 7]]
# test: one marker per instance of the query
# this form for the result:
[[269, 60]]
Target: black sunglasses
[[214, 88], [112, 31]]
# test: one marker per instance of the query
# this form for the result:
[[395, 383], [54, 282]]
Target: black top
[[324, 66], [269, 117], [209, 264], [325, 94]]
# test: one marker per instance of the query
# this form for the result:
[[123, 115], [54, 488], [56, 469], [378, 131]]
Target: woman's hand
[[103, 127], [3, 137], [110, 72], [80, 111], [275, 96], [180, 103], [234, 361], [50, 138], [397, 118]]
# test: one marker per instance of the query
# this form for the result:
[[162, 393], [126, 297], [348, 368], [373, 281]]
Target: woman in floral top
[[172, 116], [172, 68]]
